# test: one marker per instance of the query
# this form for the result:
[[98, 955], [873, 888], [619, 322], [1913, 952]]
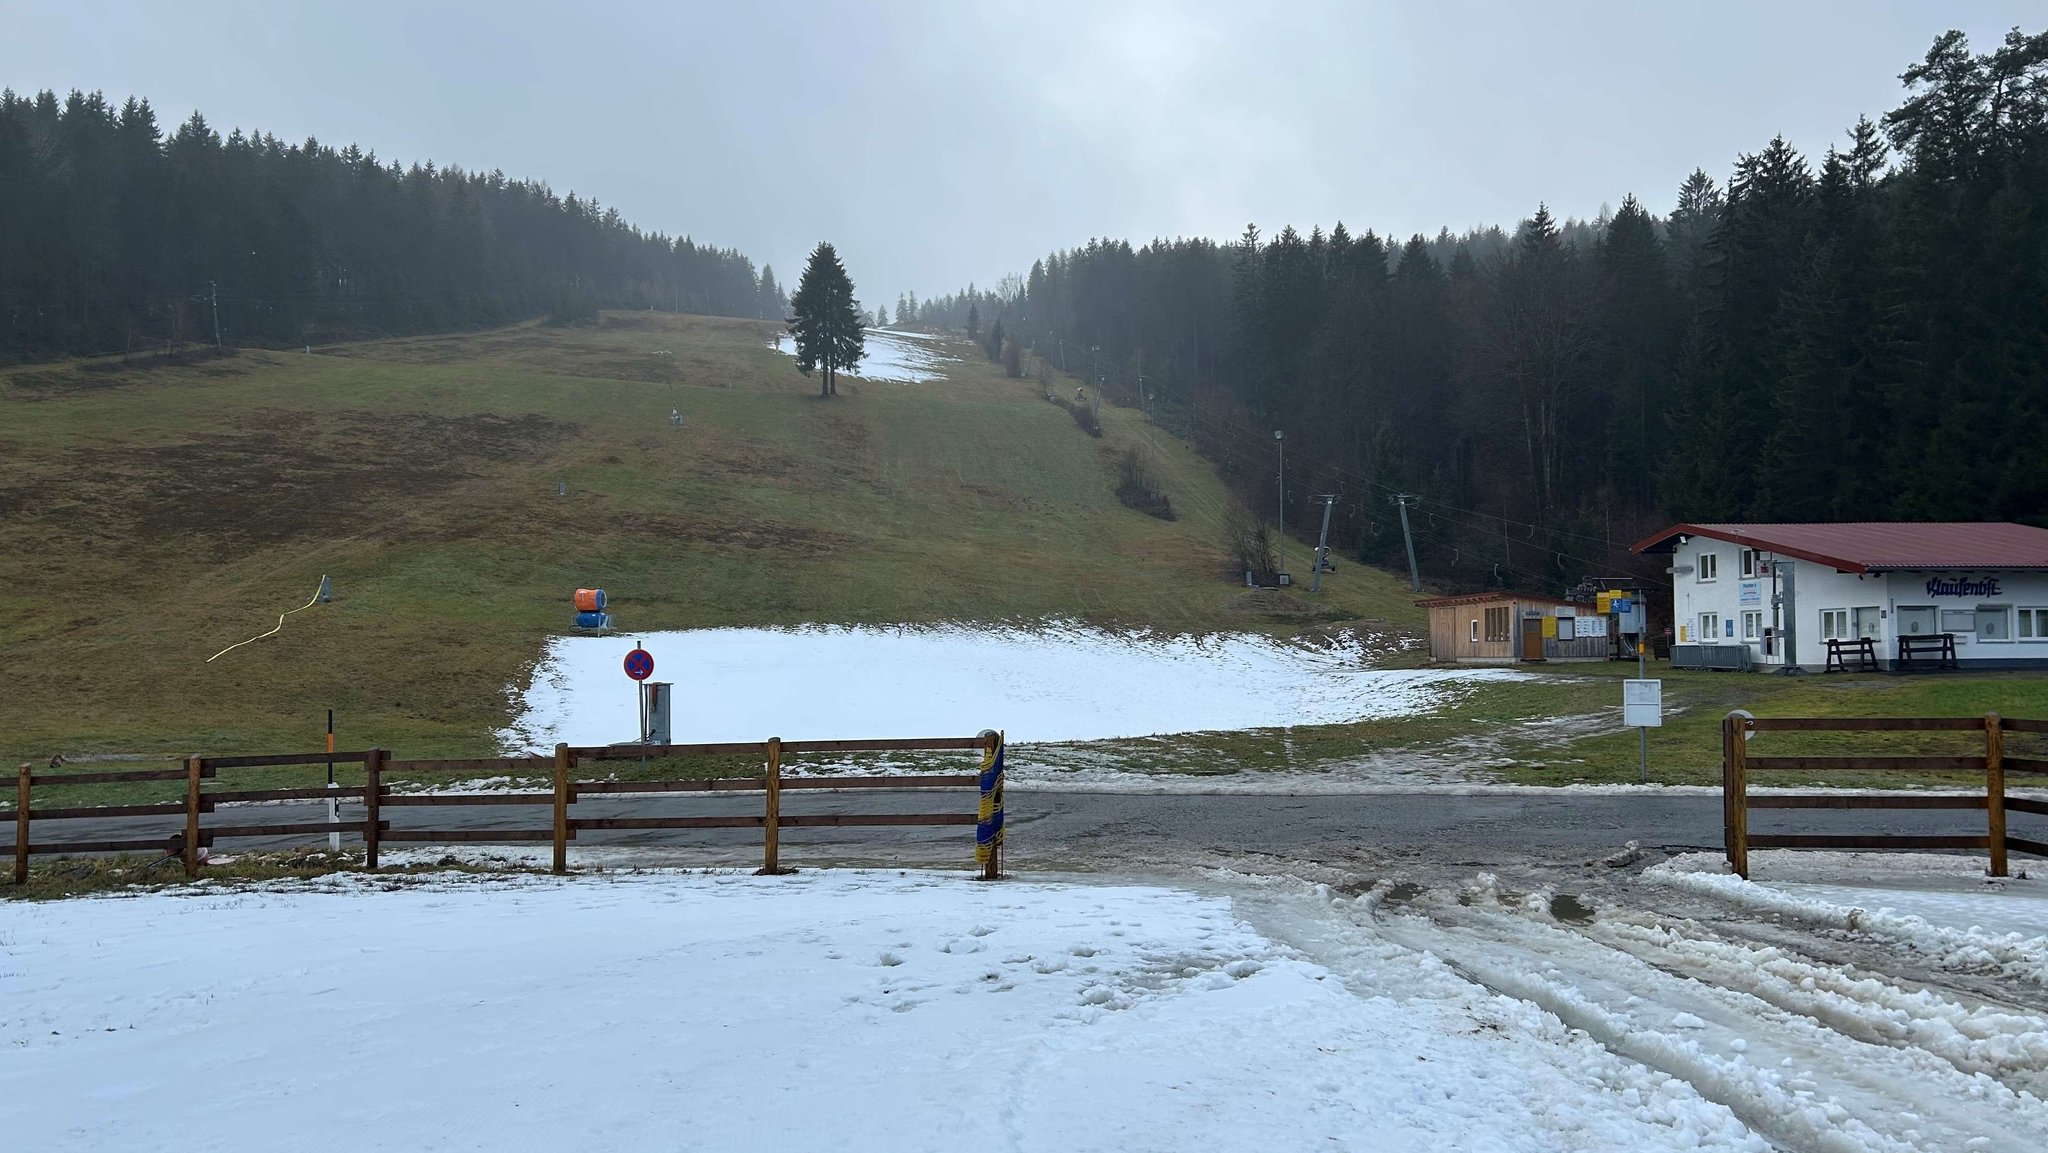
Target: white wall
[[1820, 588]]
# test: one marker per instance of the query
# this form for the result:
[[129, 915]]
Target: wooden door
[[1532, 638]]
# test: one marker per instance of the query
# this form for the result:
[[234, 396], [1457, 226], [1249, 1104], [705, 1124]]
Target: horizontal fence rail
[[1737, 728], [376, 795]]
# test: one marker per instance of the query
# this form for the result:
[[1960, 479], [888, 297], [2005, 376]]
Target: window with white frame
[[1867, 621], [2033, 624], [1749, 565], [1752, 625], [1710, 567], [1834, 624], [1916, 620], [1994, 623], [1475, 630], [1710, 628]]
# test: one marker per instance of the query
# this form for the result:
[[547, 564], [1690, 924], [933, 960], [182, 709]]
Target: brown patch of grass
[[699, 527], [302, 476], [102, 374]]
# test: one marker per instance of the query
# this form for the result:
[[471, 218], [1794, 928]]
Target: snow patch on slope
[[1061, 682], [896, 357]]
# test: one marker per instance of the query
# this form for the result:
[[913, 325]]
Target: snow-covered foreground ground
[[897, 357], [839, 1011], [1060, 683]]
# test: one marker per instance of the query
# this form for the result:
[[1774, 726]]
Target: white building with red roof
[[1913, 595]]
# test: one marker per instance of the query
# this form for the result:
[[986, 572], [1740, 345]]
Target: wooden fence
[[376, 795], [1737, 764]]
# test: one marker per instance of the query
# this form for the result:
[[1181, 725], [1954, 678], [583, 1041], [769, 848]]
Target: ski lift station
[[1890, 596]]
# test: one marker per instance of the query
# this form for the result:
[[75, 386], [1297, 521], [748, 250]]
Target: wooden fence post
[[993, 871], [1728, 789], [563, 759], [771, 816], [1994, 789], [21, 824], [194, 766], [373, 806], [1738, 794]]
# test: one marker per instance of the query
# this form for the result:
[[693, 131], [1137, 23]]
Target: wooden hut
[[1503, 627]]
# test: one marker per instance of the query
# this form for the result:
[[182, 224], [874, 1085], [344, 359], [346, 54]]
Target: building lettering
[[1962, 587]]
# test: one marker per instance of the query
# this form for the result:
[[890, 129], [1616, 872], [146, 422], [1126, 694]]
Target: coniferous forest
[[1861, 335], [117, 236]]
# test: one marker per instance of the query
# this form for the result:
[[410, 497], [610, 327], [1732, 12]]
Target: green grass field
[[153, 513]]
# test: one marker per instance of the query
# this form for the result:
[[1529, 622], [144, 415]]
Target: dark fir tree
[[826, 321], [974, 321]]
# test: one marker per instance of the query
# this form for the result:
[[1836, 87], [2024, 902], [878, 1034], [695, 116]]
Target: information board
[[1642, 704]]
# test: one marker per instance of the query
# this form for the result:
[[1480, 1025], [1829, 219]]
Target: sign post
[[1642, 707], [333, 806], [639, 666]]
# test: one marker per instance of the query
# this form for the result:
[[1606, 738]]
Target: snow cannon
[[590, 612]]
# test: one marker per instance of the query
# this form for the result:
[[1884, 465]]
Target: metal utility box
[[655, 698]]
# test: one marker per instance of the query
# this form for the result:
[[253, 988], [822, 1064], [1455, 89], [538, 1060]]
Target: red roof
[[1872, 546]]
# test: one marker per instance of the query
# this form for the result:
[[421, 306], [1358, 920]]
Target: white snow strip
[[845, 1011], [896, 357], [1057, 683]]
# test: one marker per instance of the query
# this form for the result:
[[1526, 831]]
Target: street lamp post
[[1280, 444]]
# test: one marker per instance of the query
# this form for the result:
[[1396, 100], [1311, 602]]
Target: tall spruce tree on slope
[[827, 324]]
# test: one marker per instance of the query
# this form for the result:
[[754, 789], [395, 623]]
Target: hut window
[[1475, 630], [1497, 624]]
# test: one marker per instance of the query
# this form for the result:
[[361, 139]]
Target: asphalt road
[[1080, 830]]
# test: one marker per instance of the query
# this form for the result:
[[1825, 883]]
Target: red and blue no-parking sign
[[639, 664]]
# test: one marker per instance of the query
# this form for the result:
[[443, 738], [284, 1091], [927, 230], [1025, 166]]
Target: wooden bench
[[1941, 646], [1864, 649]]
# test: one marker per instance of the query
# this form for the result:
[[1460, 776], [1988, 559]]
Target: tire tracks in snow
[[1842, 1067]]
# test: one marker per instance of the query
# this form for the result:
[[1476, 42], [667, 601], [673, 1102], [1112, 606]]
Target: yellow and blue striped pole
[[988, 829]]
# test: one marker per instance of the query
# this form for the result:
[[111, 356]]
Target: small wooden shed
[[1503, 627]]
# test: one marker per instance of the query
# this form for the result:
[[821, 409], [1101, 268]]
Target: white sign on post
[[1642, 704]]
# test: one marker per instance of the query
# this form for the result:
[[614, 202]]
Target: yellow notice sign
[[1549, 626]]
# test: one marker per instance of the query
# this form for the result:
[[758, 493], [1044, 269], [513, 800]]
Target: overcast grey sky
[[941, 143]]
